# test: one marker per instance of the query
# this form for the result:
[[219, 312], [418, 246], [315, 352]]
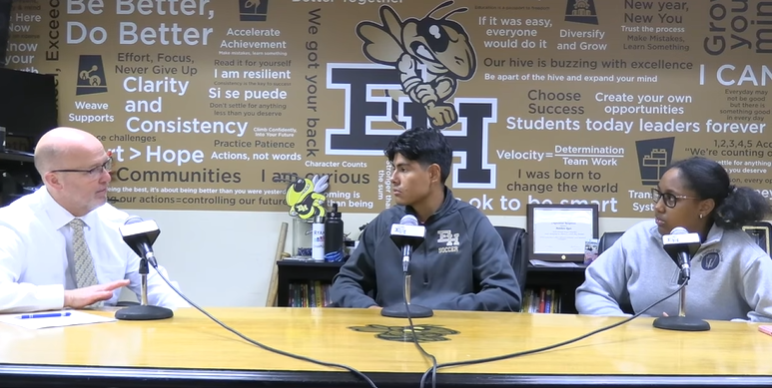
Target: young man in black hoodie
[[461, 265]]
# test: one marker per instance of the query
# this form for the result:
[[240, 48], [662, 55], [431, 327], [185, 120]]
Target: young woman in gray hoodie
[[730, 273]]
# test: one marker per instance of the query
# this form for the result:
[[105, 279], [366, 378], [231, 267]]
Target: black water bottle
[[333, 235]]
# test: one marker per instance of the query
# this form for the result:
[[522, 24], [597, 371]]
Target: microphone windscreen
[[679, 230], [409, 219]]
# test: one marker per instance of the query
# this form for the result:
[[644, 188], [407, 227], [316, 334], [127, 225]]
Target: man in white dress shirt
[[60, 247]]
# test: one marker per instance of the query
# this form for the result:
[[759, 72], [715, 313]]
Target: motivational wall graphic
[[220, 105]]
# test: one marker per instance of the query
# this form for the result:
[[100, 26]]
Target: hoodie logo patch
[[450, 240], [710, 260]]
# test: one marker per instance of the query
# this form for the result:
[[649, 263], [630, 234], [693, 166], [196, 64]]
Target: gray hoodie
[[462, 264], [730, 277]]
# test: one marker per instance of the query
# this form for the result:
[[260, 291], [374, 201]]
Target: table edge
[[142, 376]]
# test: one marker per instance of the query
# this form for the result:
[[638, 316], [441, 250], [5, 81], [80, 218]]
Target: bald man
[[60, 247]]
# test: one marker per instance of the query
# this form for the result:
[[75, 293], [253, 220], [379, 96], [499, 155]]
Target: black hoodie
[[461, 265]]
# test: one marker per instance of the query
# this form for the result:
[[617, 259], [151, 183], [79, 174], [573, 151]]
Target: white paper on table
[[75, 318]]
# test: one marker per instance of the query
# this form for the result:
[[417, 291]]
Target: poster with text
[[224, 105]]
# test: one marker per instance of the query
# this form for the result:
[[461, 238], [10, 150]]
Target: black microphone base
[[399, 311], [681, 323], [143, 313]]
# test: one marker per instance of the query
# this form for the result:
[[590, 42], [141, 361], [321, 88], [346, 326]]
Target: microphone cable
[[434, 367], [266, 347], [423, 351], [433, 370]]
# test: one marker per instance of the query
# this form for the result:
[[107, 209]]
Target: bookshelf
[[18, 158], [299, 283], [556, 285], [18, 176], [304, 283]]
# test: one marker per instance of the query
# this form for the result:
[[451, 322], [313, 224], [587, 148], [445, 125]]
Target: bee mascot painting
[[305, 197], [441, 46]]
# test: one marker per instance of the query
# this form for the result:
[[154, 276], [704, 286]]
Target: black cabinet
[[553, 283], [18, 176], [304, 283]]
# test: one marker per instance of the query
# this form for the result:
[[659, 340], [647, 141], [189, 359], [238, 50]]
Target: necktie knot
[[77, 224]]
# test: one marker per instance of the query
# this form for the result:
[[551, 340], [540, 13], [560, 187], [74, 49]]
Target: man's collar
[[60, 216]]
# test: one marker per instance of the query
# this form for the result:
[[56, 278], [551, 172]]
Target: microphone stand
[[144, 311], [681, 322], [401, 310]]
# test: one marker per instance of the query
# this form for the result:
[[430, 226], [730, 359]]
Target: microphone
[[140, 235], [679, 245], [407, 235]]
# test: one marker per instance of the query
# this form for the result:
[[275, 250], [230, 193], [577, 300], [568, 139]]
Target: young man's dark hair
[[461, 265], [425, 146]]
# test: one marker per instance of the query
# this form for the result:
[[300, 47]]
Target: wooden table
[[191, 350]]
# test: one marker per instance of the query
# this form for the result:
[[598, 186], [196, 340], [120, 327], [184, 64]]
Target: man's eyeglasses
[[95, 172], [669, 199]]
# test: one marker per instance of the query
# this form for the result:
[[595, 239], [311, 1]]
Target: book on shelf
[[542, 300], [309, 294]]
